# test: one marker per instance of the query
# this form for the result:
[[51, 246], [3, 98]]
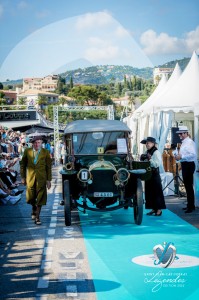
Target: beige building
[[48, 83], [31, 97], [158, 72]]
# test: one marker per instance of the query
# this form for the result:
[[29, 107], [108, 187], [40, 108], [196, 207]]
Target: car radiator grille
[[102, 182]]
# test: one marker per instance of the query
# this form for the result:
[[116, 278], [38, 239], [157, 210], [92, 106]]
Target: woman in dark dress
[[154, 198]]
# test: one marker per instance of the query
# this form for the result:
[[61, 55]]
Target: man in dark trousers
[[36, 173], [187, 157]]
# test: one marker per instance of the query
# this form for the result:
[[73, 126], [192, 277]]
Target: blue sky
[[40, 37]]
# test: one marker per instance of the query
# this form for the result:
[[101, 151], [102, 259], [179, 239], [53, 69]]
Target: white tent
[[141, 123], [176, 101], [181, 100], [185, 93], [140, 128], [155, 93], [150, 103]]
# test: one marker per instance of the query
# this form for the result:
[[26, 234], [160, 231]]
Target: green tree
[[8, 87], [1, 86], [119, 88], [62, 101], [62, 88], [84, 95], [42, 100], [134, 83], [2, 100], [2, 95], [22, 101], [46, 113], [103, 99], [125, 82], [71, 82]]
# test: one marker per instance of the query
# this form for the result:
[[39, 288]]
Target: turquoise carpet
[[113, 241]]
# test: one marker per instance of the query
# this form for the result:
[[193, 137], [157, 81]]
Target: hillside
[[182, 63], [13, 82], [107, 73]]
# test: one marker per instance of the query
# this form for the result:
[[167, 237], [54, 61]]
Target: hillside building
[[48, 83], [31, 97]]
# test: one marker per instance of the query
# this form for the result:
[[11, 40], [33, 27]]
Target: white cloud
[[159, 44], [93, 20], [192, 40], [95, 54], [121, 32], [164, 44], [101, 49], [98, 42], [104, 49], [107, 52], [1, 10]]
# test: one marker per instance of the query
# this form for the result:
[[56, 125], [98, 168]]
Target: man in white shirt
[[187, 157]]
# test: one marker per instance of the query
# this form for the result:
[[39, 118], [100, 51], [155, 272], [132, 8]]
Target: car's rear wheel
[[67, 203], [138, 203]]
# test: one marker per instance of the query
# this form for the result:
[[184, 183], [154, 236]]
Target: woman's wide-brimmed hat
[[148, 139], [182, 129]]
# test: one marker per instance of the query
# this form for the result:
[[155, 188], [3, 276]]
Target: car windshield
[[99, 143]]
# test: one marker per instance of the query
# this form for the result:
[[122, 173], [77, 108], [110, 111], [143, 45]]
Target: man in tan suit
[[36, 173]]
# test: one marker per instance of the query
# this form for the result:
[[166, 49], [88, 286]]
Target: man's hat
[[36, 138], [148, 139], [182, 129]]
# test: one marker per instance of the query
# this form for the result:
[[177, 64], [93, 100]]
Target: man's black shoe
[[61, 202], [184, 208], [188, 211]]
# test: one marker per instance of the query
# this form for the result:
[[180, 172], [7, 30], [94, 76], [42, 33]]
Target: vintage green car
[[100, 173]]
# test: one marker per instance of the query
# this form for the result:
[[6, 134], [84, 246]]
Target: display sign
[[121, 146], [24, 115]]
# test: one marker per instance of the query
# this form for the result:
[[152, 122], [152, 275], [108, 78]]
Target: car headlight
[[122, 175], [84, 175]]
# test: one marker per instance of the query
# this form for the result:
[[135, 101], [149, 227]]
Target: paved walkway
[[51, 261], [46, 262], [175, 204]]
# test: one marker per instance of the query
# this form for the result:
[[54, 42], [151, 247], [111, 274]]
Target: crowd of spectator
[[12, 146]]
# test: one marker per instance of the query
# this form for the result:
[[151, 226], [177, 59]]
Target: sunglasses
[[181, 133]]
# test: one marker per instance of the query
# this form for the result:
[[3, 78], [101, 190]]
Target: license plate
[[103, 194]]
